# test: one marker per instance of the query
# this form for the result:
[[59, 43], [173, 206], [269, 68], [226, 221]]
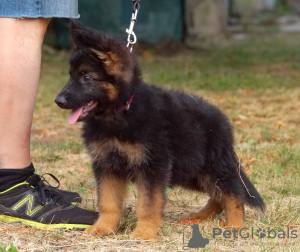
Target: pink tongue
[[74, 115]]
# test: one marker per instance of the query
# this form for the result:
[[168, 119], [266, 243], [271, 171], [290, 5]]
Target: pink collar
[[127, 106]]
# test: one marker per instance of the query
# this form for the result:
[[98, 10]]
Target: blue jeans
[[39, 8]]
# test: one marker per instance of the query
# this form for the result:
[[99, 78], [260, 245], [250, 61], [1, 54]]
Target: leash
[[131, 39]]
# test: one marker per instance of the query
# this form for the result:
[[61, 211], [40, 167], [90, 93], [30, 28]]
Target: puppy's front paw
[[99, 230], [144, 234]]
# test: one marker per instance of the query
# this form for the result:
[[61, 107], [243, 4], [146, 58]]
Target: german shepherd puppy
[[154, 137]]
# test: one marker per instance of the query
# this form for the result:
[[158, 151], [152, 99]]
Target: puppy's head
[[103, 75]]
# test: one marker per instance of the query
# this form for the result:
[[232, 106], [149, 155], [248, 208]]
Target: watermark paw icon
[[261, 233]]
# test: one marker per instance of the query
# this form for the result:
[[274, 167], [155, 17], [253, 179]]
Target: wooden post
[[205, 18]]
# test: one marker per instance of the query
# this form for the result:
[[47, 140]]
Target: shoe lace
[[45, 193]]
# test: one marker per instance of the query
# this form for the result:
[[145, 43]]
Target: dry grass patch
[[266, 119]]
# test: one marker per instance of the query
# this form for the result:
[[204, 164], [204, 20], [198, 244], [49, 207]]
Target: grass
[[254, 81], [259, 64]]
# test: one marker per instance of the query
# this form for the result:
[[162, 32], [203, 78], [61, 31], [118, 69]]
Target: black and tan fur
[[166, 138]]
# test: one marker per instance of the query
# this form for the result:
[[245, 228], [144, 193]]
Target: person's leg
[[20, 60], [23, 195]]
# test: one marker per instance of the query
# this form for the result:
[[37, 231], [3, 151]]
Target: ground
[[255, 81]]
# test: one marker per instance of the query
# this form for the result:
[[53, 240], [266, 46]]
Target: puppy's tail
[[252, 197]]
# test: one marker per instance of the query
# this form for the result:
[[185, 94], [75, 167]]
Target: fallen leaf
[[293, 225], [279, 124], [147, 55], [242, 117], [223, 223], [187, 221], [247, 170], [41, 134], [63, 181], [86, 161], [237, 122], [251, 160], [73, 155], [52, 133]]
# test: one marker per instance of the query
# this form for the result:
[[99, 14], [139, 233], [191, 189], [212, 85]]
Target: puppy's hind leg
[[234, 209], [149, 212], [210, 211]]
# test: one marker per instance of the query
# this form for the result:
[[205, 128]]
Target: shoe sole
[[30, 223]]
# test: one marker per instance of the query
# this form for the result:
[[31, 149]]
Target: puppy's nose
[[61, 100]]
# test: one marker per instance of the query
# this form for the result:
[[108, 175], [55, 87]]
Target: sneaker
[[40, 181], [34, 204]]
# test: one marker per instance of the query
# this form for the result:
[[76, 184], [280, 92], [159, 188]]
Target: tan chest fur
[[134, 153]]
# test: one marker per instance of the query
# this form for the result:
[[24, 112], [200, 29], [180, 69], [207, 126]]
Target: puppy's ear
[[82, 36], [117, 61], [79, 34], [115, 56]]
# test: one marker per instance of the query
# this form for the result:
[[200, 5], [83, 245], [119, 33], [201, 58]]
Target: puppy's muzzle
[[61, 101]]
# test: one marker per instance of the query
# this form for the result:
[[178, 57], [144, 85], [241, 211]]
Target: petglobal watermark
[[246, 233], [270, 244], [192, 237]]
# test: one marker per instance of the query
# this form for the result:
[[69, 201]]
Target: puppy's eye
[[86, 78]]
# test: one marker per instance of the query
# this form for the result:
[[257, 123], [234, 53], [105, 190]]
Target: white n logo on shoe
[[28, 200]]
